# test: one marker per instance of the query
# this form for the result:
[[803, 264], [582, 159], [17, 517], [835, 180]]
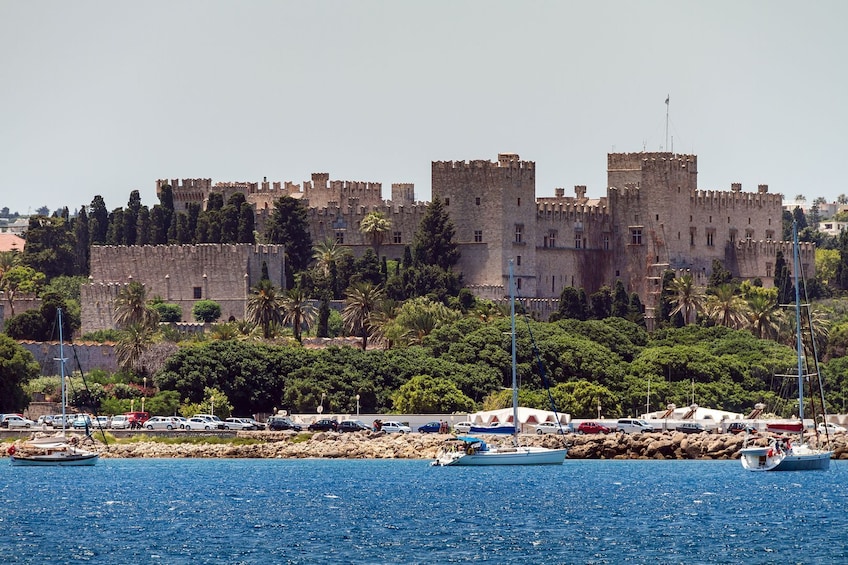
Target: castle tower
[[493, 207]]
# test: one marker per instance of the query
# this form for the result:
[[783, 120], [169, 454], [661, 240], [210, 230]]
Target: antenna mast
[[667, 97]]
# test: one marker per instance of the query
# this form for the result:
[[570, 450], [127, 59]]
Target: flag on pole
[[666, 100]]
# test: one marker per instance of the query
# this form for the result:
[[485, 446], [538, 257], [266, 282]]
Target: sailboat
[[59, 449], [780, 454], [470, 450]]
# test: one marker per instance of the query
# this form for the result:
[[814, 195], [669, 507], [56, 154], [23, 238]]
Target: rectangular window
[[769, 235], [518, 283], [552, 238], [519, 233], [606, 242], [519, 202], [198, 293], [769, 268], [518, 260], [710, 238], [749, 235], [635, 236], [447, 201], [397, 237], [477, 201], [578, 240], [691, 238], [340, 237], [478, 236]]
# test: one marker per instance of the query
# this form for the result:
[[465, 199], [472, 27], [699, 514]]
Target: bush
[[169, 312], [206, 311]]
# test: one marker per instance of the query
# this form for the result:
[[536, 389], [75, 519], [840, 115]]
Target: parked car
[[551, 428], [137, 419], [392, 427], [462, 427], [14, 421], [690, 428], [282, 423], [82, 421], [430, 428], [238, 424], [118, 422], [634, 426], [324, 425], [592, 428], [101, 422], [44, 420], [216, 422], [198, 423], [740, 427], [162, 423], [831, 428], [352, 426]]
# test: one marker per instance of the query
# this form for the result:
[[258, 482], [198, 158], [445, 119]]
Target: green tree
[[620, 301], [719, 275], [362, 300], [424, 394], [20, 280], [50, 247], [265, 307], [98, 223], [570, 305], [134, 341], [434, 240], [375, 225], [17, 367], [206, 311], [687, 298], [725, 307], [297, 311], [81, 242], [288, 225], [327, 253], [132, 308]]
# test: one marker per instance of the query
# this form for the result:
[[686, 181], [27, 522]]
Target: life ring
[[12, 449], [771, 452]]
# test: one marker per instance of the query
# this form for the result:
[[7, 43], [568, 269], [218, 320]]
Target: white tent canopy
[[526, 416]]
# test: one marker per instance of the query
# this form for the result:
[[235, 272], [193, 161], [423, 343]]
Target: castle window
[[749, 235], [711, 219], [447, 201], [478, 236], [710, 238], [749, 221], [552, 238], [635, 236], [519, 233], [397, 237], [728, 219], [198, 293], [577, 240], [518, 283], [658, 217], [518, 260], [769, 221], [769, 268], [606, 242], [692, 237], [477, 201], [732, 236], [769, 235], [340, 237], [635, 218], [545, 242], [519, 202], [690, 218]]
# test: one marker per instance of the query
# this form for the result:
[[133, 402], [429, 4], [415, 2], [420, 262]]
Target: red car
[[592, 428]]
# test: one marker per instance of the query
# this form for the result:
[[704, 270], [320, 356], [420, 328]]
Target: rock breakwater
[[368, 445]]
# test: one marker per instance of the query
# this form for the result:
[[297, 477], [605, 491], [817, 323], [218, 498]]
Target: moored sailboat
[[471, 451], [780, 454], [55, 450]]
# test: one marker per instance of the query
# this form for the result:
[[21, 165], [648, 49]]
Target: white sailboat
[[55, 450], [780, 454], [469, 450]]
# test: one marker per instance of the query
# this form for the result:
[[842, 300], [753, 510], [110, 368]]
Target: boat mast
[[796, 267], [514, 380], [62, 368]]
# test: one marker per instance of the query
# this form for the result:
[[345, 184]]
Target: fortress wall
[[558, 268], [757, 259], [91, 356]]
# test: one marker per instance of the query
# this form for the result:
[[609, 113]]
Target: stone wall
[[91, 356]]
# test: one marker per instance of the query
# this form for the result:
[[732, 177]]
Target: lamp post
[[320, 408], [599, 409], [212, 405], [144, 393], [357, 406]]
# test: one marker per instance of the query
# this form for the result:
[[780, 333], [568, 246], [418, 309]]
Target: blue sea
[[198, 511]]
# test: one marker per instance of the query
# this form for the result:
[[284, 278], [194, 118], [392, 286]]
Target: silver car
[[162, 423]]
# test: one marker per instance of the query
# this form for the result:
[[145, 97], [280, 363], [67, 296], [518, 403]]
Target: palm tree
[[763, 314], [135, 339], [9, 259], [328, 252], [265, 307], [297, 311], [725, 307], [842, 199], [131, 307], [689, 299], [375, 225], [361, 302]]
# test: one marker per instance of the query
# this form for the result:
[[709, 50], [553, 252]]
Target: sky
[[106, 97]]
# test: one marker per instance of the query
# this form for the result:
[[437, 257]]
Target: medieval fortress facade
[[653, 218]]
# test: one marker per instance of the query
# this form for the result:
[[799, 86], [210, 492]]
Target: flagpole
[[667, 97]]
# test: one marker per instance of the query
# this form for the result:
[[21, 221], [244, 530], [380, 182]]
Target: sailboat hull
[[506, 456], [801, 458], [64, 460]]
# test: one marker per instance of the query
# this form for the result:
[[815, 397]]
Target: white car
[[551, 428], [462, 427], [162, 423], [831, 428], [14, 421], [238, 424], [392, 427], [101, 422], [199, 423], [119, 422]]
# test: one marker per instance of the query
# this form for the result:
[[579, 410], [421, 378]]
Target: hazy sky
[[104, 97]]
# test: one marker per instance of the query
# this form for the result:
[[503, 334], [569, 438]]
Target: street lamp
[[357, 406], [212, 405], [144, 393], [320, 408]]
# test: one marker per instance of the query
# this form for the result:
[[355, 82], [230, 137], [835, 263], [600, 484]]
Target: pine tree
[[434, 241]]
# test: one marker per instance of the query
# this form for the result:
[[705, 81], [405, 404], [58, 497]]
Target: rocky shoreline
[[331, 445]]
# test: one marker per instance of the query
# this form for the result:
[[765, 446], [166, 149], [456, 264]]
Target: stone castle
[[653, 218]]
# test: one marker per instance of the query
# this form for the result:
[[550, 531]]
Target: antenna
[[667, 98]]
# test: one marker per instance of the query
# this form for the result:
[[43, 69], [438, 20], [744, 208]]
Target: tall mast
[[62, 367], [514, 380], [796, 267], [667, 98]]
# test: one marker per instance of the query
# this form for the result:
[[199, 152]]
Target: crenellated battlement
[[651, 161], [184, 184], [505, 161], [736, 198]]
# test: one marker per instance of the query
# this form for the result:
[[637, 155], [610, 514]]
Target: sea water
[[170, 511]]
